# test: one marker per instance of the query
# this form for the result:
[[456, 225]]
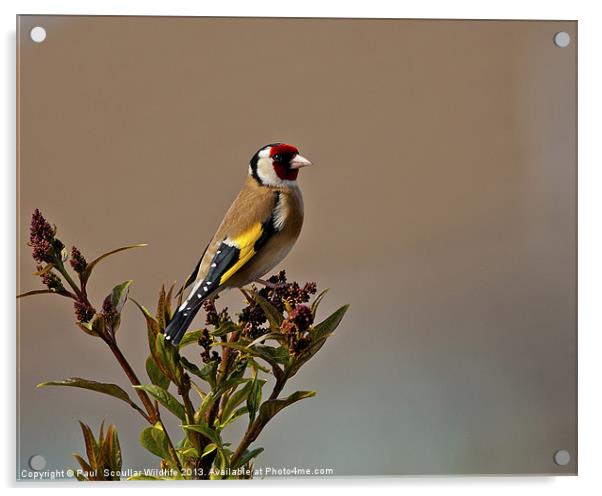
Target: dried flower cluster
[[47, 248], [41, 239], [50, 279], [297, 327], [83, 311], [206, 342], [77, 261], [281, 294]]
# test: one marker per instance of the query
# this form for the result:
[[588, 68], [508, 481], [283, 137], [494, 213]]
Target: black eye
[[277, 157]]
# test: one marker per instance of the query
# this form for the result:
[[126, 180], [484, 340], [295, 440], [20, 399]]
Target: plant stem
[[61, 268], [256, 427], [188, 406], [250, 436], [278, 387], [170, 446], [215, 410], [148, 405], [195, 437], [153, 413]]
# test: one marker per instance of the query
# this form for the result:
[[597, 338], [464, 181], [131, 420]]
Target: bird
[[256, 234]]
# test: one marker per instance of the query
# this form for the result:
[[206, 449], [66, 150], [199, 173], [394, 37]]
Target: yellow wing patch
[[245, 242]]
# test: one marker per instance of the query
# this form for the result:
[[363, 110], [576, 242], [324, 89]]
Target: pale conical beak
[[299, 161]]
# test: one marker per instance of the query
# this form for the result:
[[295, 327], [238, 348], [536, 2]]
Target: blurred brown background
[[442, 207]]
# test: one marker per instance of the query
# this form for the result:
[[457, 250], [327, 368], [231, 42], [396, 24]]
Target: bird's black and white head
[[277, 164]]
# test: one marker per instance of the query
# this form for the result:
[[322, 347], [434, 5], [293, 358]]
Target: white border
[[590, 215]]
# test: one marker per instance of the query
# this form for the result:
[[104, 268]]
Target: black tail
[[225, 257], [177, 327]]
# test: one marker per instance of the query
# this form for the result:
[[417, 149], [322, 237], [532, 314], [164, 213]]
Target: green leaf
[[187, 453], [317, 301], [109, 452], [119, 295], [233, 416], [191, 367], [254, 398], [223, 461], [328, 325], [167, 359], [100, 387], [232, 382], [98, 325], [279, 354], [83, 463], [165, 398], [209, 372], [273, 315], [44, 270], [237, 370], [247, 456], [152, 326], [144, 477], [259, 353], [214, 395], [101, 435], [317, 337], [91, 445], [168, 298], [183, 443], [225, 328], [210, 448], [276, 336], [154, 374], [102, 460], [36, 292], [160, 316], [86, 274], [190, 337], [206, 431], [163, 315], [154, 440], [271, 407], [150, 320], [87, 328], [236, 399], [257, 366], [113, 448], [206, 403]]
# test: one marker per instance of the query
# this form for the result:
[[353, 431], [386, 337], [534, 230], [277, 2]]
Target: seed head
[[83, 311], [41, 238], [78, 262]]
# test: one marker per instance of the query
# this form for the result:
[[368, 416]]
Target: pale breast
[[288, 221]]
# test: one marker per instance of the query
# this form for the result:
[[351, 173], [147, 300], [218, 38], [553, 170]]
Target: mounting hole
[[37, 462], [562, 457], [562, 39], [38, 34]]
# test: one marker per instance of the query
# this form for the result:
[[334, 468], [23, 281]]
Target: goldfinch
[[257, 232]]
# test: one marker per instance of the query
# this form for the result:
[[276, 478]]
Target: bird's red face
[[277, 164]]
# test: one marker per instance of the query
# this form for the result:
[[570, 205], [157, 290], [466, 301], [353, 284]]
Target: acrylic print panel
[[440, 207]]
